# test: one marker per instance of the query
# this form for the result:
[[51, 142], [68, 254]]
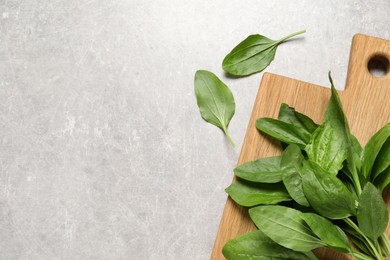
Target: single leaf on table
[[252, 55], [256, 245], [250, 194], [292, 180], [288, 115], [326, 193], [329, 233], [372, 149], [284, 132], [265, 170], [372, 212], [215, 100], [285, 226]]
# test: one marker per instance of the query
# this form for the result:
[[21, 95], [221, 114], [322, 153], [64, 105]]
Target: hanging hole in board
[[378, 66]]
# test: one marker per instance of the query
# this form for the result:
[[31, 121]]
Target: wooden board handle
[[366, 96], [366, 48]]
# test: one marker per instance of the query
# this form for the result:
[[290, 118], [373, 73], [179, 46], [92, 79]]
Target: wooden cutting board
[[366, 102]]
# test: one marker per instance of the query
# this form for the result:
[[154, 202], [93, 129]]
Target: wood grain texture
[[366, 102]]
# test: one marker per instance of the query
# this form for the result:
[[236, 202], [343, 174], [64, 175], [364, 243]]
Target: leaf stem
[[290, 36], [357, 183], [352, 224], [385, 244], [361, 256], [378, 247], [228, 136]]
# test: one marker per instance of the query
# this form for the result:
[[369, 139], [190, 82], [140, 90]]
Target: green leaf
[[372, 212], [326, 193], [292, 180], [252, 55], [284, 132], [328, 146], [291, 157], [356, 153], [382, 161], [293, 184], [348, 183], [361, 245], [265, 170], [215, 100], [256, 245], [372, 149], [285, 226], [383, 180], [329, 233], [288, 115], [250, 194], [332, 143]]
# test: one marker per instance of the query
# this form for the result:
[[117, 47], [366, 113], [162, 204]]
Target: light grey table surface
[[103, 153]]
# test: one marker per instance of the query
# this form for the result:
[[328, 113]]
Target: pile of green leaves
[[323, 189]]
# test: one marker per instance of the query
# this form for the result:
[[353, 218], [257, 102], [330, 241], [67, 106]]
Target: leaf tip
[[330, 79]]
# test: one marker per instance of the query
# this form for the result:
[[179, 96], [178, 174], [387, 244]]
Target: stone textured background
[[103, 153]]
